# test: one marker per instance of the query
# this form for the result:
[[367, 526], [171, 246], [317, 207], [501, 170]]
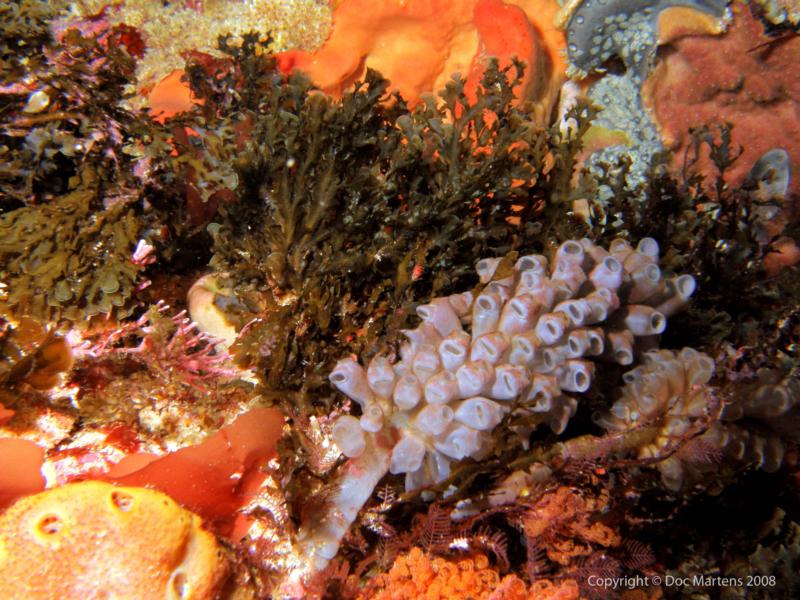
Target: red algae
[[20, 469], [213, 478], [169, 97], [209, 478], [5, 414]]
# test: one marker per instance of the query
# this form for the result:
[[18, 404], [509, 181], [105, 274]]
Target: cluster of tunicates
[[754, 424], [667, 393], [529, 338], [692, 428]]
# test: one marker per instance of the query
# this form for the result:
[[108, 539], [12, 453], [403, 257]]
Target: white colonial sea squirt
[[528, 339], [537, 332]]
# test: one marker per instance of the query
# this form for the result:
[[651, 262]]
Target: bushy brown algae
[[61, 108], [25, 30], [31, 355], [63, 258], [346, 212], [78, 173]]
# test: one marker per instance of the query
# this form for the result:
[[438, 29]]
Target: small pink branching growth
[[168, 346]]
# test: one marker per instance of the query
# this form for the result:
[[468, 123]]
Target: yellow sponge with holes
[[96, 540]]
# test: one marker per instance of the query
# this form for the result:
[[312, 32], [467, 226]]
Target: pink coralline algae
[[742, 77]]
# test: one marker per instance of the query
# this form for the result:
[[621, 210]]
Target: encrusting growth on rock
[[417, 575], [597, 31], [631, 31], [170, 30]]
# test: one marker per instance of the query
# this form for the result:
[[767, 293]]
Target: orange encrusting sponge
[[95, 540]]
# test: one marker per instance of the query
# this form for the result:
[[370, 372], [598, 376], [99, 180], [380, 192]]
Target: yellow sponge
[[96, 540]]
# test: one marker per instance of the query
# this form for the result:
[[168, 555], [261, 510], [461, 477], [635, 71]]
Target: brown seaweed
[[346, 212]]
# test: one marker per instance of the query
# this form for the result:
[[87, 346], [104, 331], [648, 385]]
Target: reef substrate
[[462, 328]]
